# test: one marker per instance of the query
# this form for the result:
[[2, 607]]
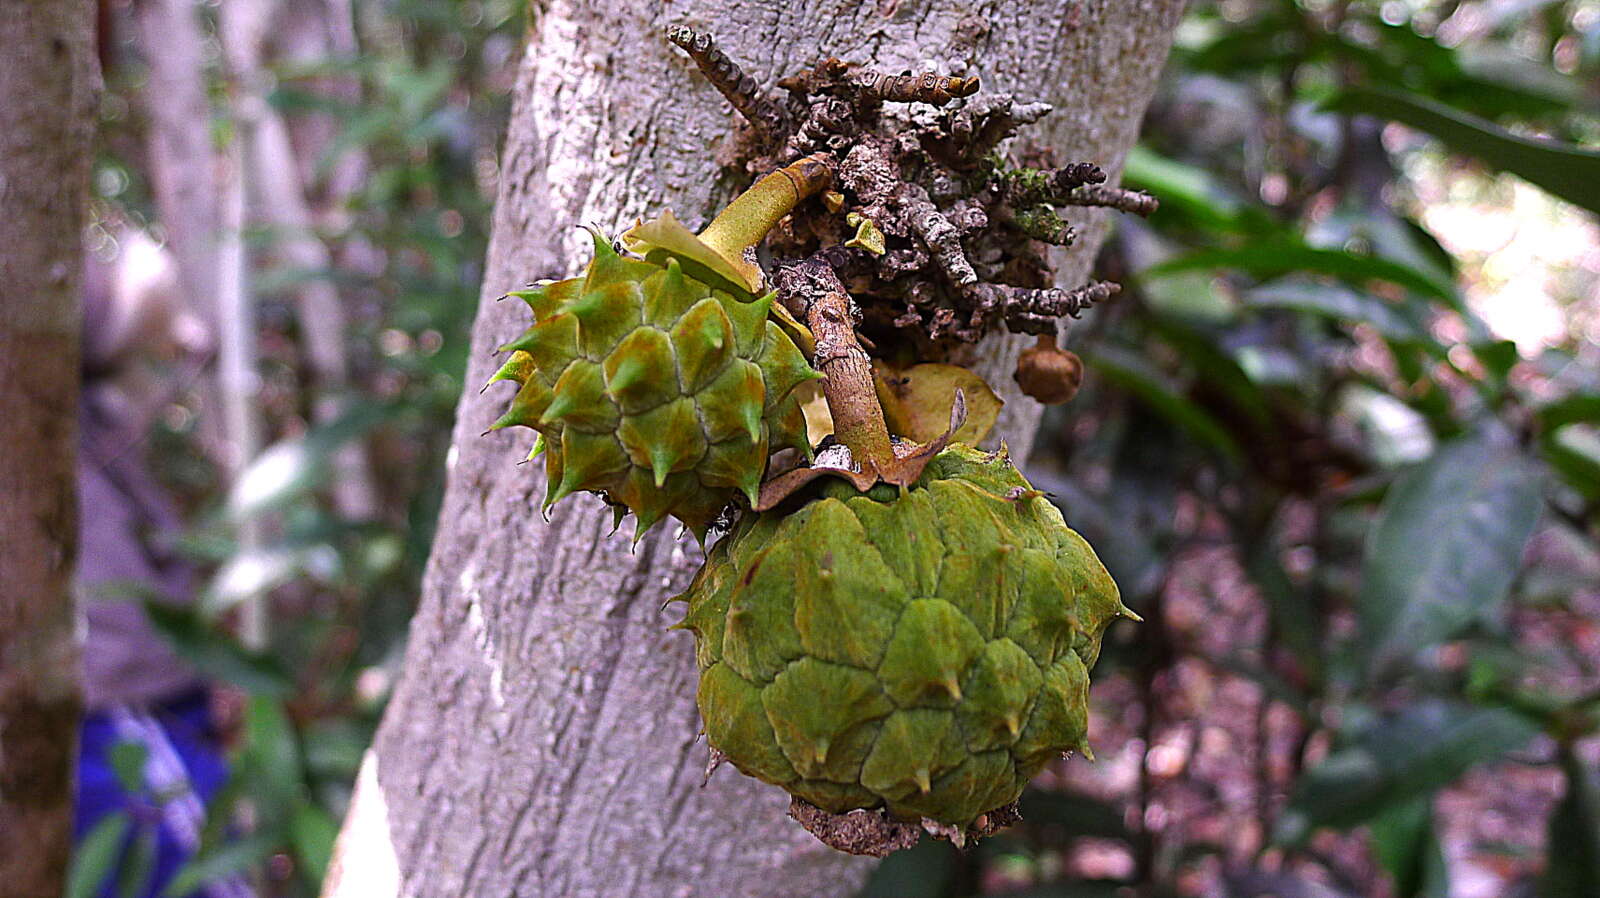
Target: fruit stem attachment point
[[746, 220], [813, 288]]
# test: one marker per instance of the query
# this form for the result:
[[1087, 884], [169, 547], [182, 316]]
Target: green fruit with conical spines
[[662, 393], [925, 652]]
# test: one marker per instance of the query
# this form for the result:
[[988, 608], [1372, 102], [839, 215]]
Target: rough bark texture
[[542, 740], [47, 86]]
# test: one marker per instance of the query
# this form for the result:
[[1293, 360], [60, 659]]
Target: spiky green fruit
[[926, 653], [653, 388]]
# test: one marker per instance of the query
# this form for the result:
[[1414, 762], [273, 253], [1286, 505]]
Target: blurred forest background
[[1339, 441]]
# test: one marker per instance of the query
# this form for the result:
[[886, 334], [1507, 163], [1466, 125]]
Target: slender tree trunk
[[542, 739], [48, 78], [278, 199], [187, 184]]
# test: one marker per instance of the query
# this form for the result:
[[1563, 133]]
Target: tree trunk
[[48, 79], [542, 739], [188, 188], [278, 199]]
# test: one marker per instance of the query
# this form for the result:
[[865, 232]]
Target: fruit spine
[[665, 382]]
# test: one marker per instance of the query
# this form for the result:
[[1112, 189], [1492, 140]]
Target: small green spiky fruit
[[653, 388], [925, 652]]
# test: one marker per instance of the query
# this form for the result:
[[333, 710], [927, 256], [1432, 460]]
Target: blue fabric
[[184, 726]]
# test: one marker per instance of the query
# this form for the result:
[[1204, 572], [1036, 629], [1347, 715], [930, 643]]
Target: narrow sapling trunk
[[48, 78], [543, 737]]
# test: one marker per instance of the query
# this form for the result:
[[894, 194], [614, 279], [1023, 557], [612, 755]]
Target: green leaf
[[1285, 254], [1447, 543], [1133, 374], [1337, 303], [1573, 866], [270, 758], [1408, 848], [1574, 451], [1569, 172], [1191, 190], [95, 858], [926, 870], [128, 758], [1075, 813], [311, 832], [140, 867], [216, 654], [224, 860], [292, 468], [1397, 760], [1574, 409]]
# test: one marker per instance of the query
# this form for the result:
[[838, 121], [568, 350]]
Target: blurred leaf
[[1580, 407], [1569, 172], [1408, 848], [270, 759], [1395, 433], [1075, 813], [926, 870], [128, 759], [334, 747], [1498, 358], [1193, 191], [287, 470], [312, 831], [247, 574], [1475, 80], [1573, 866], [1282, 254], [224, 860], [1377, 231], [1445, 547], [95, 857], [1337, 303], [1133, 374], [1574, 451], [216, 654], [140, 868], [1396, 760]]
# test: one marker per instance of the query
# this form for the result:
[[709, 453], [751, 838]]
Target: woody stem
[[812, 287]]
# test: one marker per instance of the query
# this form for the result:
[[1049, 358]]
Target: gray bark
[[542, 738], [48, 79]]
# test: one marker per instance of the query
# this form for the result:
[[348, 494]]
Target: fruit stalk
[[852, 398], [749, 217]]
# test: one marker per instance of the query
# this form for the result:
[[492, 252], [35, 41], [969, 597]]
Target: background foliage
[[1339, 444]]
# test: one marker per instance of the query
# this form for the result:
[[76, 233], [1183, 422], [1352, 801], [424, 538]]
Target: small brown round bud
[[1049, 373]]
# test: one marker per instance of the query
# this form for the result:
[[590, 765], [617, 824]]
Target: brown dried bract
[[874, 834], [867, 833]]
